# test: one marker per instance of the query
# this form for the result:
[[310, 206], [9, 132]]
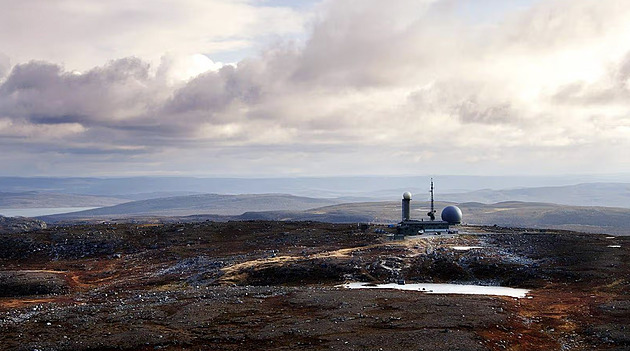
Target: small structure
[[451, 215], [406, 206]]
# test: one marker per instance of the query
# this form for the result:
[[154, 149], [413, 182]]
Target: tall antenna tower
[[431, 213], [432, 203]]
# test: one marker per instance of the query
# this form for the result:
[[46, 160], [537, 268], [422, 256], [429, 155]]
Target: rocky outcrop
[[25, 283], [20, 224]]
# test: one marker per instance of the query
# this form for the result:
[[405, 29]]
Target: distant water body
[[37, 212]]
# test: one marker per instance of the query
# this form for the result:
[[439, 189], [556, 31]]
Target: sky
[[277, 88]]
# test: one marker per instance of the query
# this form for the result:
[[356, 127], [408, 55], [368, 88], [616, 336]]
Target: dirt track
[[272, 285]]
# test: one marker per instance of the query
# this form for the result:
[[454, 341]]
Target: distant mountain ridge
[[203, 204], [588, 194], [35, 199], [368, 187], [278, 207]]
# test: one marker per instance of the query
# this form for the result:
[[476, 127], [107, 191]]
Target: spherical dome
[[452, 215], [407, 195]]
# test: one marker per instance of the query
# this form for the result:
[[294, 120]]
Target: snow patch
[[445, 289], [466, 248]]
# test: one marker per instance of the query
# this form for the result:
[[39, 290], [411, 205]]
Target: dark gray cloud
[[214, 91], [43, 93]]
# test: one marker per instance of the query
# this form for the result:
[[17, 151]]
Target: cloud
[[43, 93], [174, 69], [82, 34], [612, 89], [373, 85], [214, 91], [363, 43]]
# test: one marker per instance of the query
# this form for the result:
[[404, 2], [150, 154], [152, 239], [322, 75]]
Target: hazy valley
[[589, 207]]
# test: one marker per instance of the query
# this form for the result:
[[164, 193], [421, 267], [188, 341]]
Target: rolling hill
[[586, 194], [608, 220], [37, 199], [612, 220], [226, 205], [375, 188]]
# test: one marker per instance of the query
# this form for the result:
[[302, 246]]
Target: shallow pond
[[430, 288]]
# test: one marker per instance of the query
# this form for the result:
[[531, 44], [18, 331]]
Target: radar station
[[451, 215]]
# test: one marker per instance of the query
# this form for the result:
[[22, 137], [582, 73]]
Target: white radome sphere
[[407, 195]]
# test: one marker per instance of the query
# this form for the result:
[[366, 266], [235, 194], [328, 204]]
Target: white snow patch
[[445, 289], [615, 246], [466, 248]]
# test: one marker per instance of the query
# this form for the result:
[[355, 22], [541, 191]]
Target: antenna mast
[[431, 213], [432, 204]]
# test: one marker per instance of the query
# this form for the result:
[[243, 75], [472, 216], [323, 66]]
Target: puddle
[[615, 246], [466, 248], [445, 289]]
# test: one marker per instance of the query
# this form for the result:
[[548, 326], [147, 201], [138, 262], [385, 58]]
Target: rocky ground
[[275, 285], [19, 224]]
